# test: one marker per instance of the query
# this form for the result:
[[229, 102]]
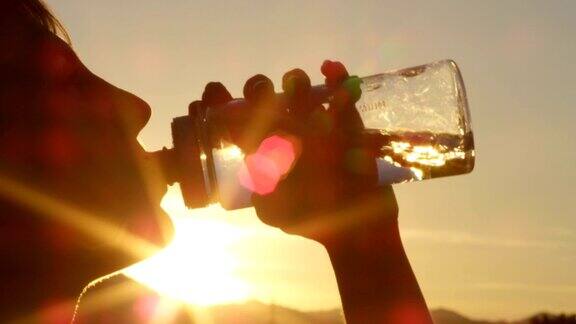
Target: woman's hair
[[33, 12]]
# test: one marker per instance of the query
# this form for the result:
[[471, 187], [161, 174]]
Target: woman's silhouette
[[75, 204]]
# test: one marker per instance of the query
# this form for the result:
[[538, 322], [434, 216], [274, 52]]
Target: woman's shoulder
[[117, 298]]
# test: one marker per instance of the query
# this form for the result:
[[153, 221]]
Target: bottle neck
[[183, 163]]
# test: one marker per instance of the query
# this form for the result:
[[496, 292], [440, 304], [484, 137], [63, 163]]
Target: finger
[[258, 89], [215, 94], [335, 73], [342, 108], [338, 77], [297, 89], [264, 115], [345, 93], [296, 83], [196, 108]]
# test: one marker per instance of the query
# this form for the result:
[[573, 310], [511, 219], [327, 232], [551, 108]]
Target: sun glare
[[197, 267]]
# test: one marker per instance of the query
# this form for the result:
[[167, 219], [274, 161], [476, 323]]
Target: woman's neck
[[37, 283], [30, 297]]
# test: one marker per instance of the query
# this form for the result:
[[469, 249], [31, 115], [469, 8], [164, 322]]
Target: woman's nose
[[118, 107], [132, 111]]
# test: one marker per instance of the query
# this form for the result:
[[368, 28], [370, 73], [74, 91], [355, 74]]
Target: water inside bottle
[[423, 112]]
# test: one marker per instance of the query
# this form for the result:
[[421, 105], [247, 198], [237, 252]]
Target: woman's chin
[[150, 231]]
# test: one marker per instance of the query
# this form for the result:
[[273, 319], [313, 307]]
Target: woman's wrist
[[367, 219], [371, 238]]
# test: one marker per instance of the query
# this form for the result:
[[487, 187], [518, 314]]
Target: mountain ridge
[[259, 313]]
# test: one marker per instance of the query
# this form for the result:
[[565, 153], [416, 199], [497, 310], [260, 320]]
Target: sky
[[498, 243]]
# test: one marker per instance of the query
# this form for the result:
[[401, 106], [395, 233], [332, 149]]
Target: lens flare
[[263, 169]]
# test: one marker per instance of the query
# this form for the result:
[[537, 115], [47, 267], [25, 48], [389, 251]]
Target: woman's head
[[71, 169]]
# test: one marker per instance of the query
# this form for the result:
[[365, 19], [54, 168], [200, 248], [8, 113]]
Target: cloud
[[467, 238], [524, 287]]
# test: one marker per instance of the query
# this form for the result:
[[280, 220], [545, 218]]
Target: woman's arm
[[375, 279]]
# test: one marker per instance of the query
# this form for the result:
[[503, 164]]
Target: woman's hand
[[331, 188], [331, 193]]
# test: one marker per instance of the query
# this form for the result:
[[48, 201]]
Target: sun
[[197, 267]]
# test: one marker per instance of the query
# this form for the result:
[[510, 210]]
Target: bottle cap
[[188, 162]]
